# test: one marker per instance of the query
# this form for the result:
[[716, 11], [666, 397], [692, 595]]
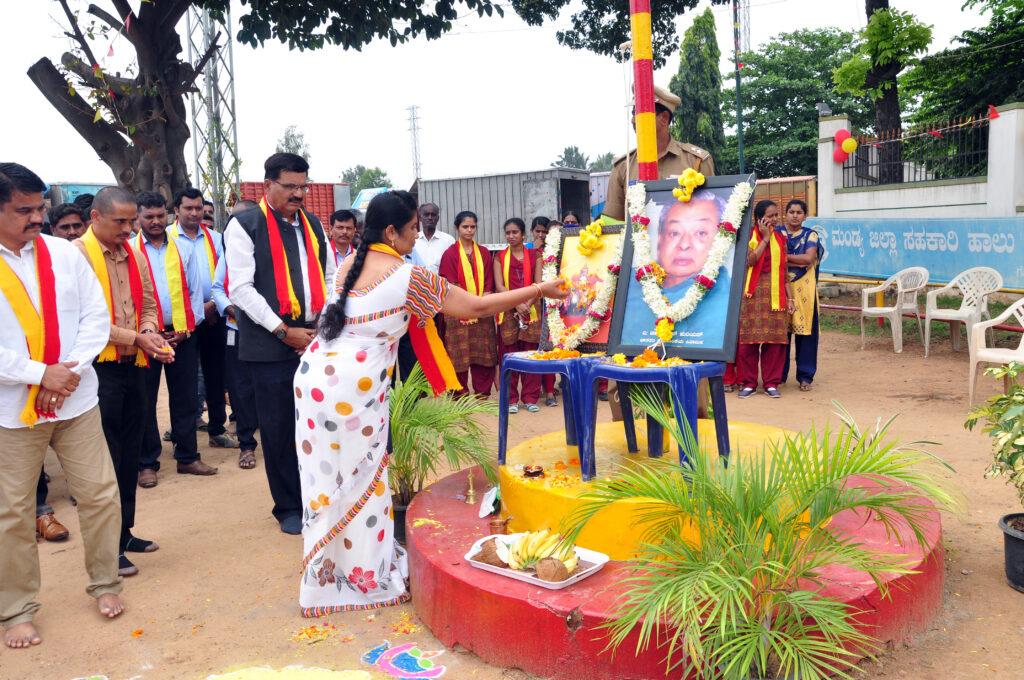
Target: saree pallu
[[804, 281]]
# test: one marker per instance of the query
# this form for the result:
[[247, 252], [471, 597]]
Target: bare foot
[[110, 605], [22, 635]]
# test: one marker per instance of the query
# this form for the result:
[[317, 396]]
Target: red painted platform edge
[[556, 634]]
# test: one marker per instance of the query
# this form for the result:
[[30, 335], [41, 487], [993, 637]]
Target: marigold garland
[[649, 359]]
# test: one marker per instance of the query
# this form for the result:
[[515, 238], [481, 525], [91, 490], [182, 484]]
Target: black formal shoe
[[292, 525]]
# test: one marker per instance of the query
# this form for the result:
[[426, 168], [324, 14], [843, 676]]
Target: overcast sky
[[494, 94]]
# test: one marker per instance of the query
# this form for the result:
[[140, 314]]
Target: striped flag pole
[[643, 89]]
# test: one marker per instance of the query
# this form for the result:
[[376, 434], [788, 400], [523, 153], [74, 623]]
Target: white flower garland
[[597, 312], [705, 281]]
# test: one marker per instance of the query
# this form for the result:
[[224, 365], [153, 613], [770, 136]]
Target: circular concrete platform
[[555, 633]]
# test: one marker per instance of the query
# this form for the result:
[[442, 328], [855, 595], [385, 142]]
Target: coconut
[[489, 554], [551, 569]]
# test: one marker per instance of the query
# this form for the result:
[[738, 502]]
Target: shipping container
[[321, 199], [783, 189], [495, 198], [598, 192]]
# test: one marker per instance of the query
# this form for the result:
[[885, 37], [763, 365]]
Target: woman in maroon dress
[[519, 330], [472, 344]]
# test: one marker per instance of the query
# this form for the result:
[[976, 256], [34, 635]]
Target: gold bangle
[[540, 293]]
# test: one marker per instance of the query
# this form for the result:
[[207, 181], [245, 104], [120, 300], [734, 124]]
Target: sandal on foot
[[729, 388], [247, 460], [139, 545], [805, 387], [532, 408]]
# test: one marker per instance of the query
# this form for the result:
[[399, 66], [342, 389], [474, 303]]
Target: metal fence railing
[[952, 150]]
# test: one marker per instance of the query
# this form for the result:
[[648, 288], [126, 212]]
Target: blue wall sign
[[878, 248]]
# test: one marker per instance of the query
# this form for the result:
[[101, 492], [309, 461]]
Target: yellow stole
[[211, 251], [182, 317], [474, 285], [777, 272], [94, 252], [506, 266]]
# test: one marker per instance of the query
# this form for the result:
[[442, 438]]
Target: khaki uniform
[[675, 159]]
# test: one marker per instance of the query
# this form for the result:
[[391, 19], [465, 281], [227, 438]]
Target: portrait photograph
[[681, 236], [584, 275]]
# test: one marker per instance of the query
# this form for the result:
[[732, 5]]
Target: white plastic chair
[[980, 353], [974, 285], [909, 282]]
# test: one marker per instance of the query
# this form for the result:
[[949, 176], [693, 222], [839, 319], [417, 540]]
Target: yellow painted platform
[[539, 503]]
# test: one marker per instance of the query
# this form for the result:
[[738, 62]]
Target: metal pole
[[643, 90], [736, 61]]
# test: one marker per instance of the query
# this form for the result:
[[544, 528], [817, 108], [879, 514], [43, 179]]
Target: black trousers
[[406, 357], [212, 340], [243, 397], [182, 376], [123, 404], [275, 409], [42, 491]]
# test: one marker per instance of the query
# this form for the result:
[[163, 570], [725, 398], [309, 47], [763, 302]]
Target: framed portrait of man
[[683, 237], [585, 274]]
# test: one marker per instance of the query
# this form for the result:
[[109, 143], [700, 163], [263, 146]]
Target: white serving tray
[[595, 559]]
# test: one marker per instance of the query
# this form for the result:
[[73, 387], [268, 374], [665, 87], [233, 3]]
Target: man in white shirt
[[267, 246], [48, 397], [431, 243]]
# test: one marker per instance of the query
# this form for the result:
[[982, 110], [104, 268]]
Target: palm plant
[[731, 556], [428, 431]]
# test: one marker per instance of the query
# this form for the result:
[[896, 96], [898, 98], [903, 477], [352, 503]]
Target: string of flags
[[846, 144]]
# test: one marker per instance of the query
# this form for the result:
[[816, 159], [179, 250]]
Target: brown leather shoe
[[196, 468], [147, 478], [49, 528]]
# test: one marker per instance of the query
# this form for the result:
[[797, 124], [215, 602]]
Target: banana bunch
[[533, 546]]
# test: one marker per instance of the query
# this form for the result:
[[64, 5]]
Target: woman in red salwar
[[519, 330], [472, 344]]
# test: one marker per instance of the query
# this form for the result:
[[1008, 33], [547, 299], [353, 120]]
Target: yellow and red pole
[[643, 89]]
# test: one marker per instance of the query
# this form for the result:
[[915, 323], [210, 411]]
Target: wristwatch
[[281, 333]]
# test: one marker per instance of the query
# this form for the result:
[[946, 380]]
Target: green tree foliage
[[781, 84], [602, 163], [293, 141], [572, 157], [698, 119], [360, 177], [985, 69]]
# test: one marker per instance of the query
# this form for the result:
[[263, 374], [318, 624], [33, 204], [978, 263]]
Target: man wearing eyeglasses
[[673, 157], [267, 245]]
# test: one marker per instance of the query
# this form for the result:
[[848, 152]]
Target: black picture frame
[[627, 302], [545, 334]]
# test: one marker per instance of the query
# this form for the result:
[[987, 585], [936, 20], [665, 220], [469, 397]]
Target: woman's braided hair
[[390, 208]]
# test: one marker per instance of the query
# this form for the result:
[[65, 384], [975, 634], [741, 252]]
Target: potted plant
[[740, 602], [1003, 418], [428, 433]]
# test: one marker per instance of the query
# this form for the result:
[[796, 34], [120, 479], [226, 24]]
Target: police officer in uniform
[[673, 157]]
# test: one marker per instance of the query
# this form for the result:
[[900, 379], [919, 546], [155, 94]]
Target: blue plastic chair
[[682, 380], [573, 371]]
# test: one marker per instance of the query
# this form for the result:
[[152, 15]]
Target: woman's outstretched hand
[[555, 289]]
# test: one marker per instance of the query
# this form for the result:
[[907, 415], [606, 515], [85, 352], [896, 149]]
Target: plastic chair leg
[[628, 423], [568, 411], [584, 407], [896, 321], [972, 383], [503, 414], [862, 331], [684, 385], [717, 388], [928, 333], [954, 334]]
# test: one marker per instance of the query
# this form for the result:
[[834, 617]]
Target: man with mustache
[[48, 397], [267, 247], [128, 290]]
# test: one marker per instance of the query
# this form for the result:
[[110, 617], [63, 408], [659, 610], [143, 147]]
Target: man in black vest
[[271, 339]]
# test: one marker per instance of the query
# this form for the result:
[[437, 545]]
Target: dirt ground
[[221, 593]]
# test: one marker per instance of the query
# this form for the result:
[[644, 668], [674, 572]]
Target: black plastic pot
[[1013, 552], [400, 523]]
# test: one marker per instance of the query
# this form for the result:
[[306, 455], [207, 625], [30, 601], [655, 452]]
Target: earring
[[392, 243]]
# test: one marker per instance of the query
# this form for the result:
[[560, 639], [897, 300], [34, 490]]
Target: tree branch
[[88, 76], [79, 38], [187, 85], [101, 135]]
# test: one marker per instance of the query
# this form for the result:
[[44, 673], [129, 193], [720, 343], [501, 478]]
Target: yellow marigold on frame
[[664, 330]]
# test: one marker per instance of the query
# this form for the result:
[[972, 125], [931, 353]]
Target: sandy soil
[[221, 593]]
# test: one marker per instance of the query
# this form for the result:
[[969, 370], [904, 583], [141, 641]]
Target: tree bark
[[887, 112]]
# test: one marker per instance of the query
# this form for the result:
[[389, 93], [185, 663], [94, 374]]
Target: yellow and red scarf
[[288, 302], [473, 285], [182, 318], [427, 345], [506, 266], [211, 250], [94, 252], [41, 328], [777, 245]]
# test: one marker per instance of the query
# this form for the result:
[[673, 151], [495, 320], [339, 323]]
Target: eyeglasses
[[292, 187]]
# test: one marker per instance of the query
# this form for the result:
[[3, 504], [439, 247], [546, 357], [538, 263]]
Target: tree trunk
[[142, 131], [887, 113]]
